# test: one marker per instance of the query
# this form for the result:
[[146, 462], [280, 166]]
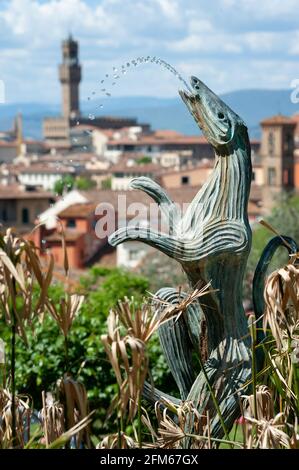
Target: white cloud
[[255, 39], [213, 42], [264, 9]]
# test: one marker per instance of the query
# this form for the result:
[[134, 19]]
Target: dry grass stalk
[[265, 405], [172, 431], [65, 313], [282, 304], [20, 267], [267, 431], [129, 330], [172, 311], [23, 416], [117, 441], [126, 350], [269, 434], [74, 396], [52, 418], [77, 429]]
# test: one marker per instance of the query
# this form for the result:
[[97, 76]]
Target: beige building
[[56, 131], [277, 157], [188, 176], [19, 208]]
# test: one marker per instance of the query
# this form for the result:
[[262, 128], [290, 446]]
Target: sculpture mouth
[[194, 103], [209, 112]]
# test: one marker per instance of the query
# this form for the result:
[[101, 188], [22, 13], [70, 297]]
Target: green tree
[[143, 160], [41, 364], [84, 183], [106, 184], [64, 184]]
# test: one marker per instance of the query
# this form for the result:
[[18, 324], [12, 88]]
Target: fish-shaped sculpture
[[211, 241]]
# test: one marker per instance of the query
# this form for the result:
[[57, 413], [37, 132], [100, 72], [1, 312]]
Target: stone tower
[[277, 156], [70, 77]]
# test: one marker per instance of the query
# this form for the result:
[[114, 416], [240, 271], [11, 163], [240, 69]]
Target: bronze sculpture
[[211, 241]]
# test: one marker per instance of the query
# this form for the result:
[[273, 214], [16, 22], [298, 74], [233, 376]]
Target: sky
[[229, 44]]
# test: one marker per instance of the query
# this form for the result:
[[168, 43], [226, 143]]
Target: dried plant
[[174, 425], [267, 434], [22, 416], [129, 328], [69, 306], [66, 312], [264, 402], [171, 311], [76, 409], [20, 267], [282, 304], [117, 441], [282, 318], [77, 429], [52, 418]]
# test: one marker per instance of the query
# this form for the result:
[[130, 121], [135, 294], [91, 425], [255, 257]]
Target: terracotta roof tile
[[13, 191], [142, 168], [9, 144], [153, 140], [44, 168], [277, 120], [81, 211]]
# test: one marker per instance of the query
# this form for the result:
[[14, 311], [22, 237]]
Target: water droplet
[[101, 106], [91, 116], [116, 76], [88, 98], [128, 64], [107, 75], [124, 72], [93, 93], [75, 139], [115, 69], [44, 241], [102, 81], [103, 89], [113, 83], [77, 123], [84, 147], [108, 94]]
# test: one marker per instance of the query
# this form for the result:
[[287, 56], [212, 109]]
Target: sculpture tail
[[259, 280]]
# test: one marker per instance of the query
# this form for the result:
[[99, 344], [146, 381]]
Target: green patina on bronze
[[211, 241]]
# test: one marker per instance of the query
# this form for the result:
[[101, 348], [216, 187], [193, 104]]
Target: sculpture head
[[217, 121]]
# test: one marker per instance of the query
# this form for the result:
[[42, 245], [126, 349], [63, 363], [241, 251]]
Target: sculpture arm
[[217, 237]]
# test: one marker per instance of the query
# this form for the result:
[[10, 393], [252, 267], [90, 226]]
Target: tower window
[[25, 216], [271, 143], [4, 215], [185, 180], [289, 142], [286, 177], [71, 223], [271, 176]]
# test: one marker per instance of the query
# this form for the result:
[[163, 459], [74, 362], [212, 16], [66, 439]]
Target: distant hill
[[162, 113]]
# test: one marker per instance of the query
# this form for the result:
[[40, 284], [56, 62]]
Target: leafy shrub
[[42, 363]]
